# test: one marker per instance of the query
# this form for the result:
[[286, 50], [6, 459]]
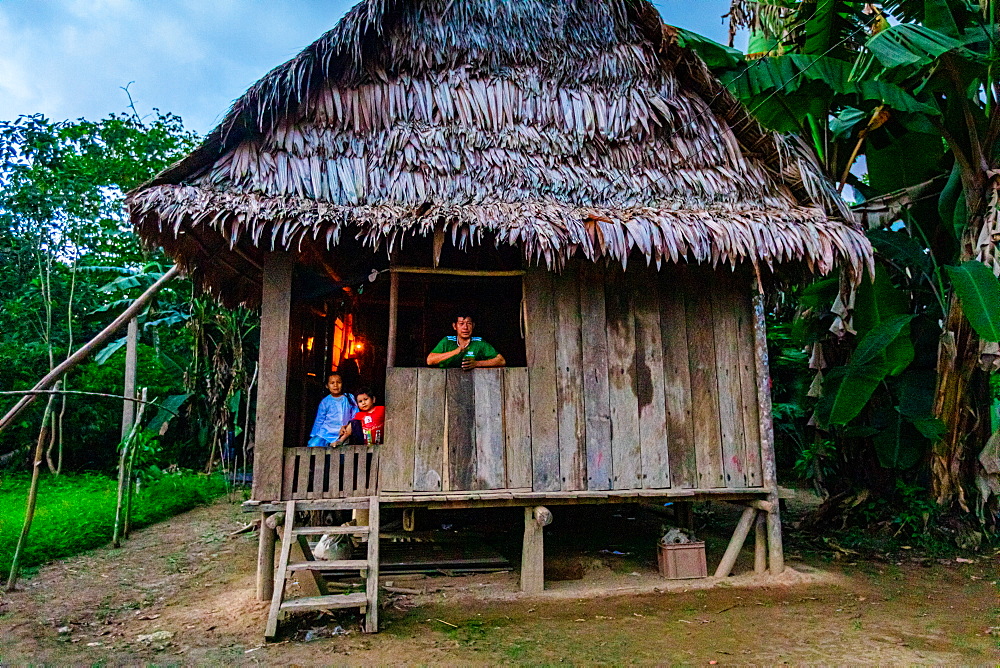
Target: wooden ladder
[[367, 600]]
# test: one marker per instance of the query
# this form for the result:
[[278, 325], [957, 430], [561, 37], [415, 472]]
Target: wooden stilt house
[[568, 168]]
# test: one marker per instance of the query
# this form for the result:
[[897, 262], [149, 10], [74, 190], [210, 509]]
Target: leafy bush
[[76, 512]]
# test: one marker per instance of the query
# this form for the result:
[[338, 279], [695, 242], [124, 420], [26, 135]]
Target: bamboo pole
[[131, 365], [29, 512], [89, 347], [123, 475], [129, 474]]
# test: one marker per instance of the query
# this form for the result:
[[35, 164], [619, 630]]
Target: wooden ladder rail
[[367, 601], [281, 575]]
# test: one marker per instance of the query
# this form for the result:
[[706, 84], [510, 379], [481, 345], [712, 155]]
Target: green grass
[[76, 512]]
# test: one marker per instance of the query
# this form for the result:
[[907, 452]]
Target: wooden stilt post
[[760, 543], [736, 544], [533, 550], [685, 514], [776, 555], [265, 560]]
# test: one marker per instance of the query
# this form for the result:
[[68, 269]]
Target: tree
[[911, 86], [64, 233]]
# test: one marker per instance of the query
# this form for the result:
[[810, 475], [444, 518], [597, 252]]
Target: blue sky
[[70, 58]]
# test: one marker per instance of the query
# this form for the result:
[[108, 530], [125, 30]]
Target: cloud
[[70, 58]]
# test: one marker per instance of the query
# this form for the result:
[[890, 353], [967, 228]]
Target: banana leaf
[[979, 291]]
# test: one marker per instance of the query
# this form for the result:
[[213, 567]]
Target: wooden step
[[319, 531], [333, 601], [342, 565]]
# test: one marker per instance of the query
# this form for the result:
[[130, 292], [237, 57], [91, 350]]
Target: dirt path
[[191, 581]]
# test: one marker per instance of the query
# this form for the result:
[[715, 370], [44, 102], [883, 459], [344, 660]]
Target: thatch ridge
[[576, 127]]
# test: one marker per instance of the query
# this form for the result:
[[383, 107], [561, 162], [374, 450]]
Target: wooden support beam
[[275, 313], [513, 273], [390, 347], [533, 549], [736, 544], [759, 504], [317, 577], [776, 555], [760, 544], [265, 557]]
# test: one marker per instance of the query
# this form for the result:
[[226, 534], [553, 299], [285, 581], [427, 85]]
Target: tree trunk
[[962, 403], [962, 400]]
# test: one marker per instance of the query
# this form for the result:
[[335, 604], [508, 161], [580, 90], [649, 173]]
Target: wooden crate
[[685, 561]]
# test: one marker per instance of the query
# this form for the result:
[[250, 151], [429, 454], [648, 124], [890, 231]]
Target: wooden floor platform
[[521, 497]]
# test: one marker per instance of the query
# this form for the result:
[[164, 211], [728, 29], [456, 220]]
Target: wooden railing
[[330, 473]]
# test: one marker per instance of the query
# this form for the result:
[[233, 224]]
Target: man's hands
[[433, 359], [494, 363]]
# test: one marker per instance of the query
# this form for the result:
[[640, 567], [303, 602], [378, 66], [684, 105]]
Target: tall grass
[[76, 512]]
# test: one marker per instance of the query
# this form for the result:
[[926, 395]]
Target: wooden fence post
[[131, 366]]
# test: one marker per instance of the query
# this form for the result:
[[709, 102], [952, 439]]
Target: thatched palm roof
[[565, 127]]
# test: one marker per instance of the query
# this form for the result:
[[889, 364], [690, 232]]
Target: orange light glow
[[309, 343], [358, 347]]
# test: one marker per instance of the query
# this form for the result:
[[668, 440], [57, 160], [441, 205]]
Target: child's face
[[335, 385], [366, 402]]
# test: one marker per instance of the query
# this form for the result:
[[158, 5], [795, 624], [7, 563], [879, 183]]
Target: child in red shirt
[[368, 421]]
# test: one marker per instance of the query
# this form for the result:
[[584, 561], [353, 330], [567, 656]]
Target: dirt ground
[[182, 592]]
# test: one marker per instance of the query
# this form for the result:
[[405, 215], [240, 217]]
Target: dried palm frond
[[561, 128]]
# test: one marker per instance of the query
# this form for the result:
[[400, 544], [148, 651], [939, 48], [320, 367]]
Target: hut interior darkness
[[579, 179]]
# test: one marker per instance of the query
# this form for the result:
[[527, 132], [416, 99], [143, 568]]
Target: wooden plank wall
[[450, 430], [635, 380], [665, 363]]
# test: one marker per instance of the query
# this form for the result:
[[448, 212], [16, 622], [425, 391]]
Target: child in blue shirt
[[335, 412]]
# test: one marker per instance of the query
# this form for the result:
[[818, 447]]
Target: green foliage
[[76, 512], [911, 87], [847, 390], [979, 291], [64, 238], [72, 263]]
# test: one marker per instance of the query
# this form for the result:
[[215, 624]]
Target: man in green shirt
[[464, 350]]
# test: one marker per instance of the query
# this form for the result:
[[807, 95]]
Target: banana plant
[[910, 87]]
